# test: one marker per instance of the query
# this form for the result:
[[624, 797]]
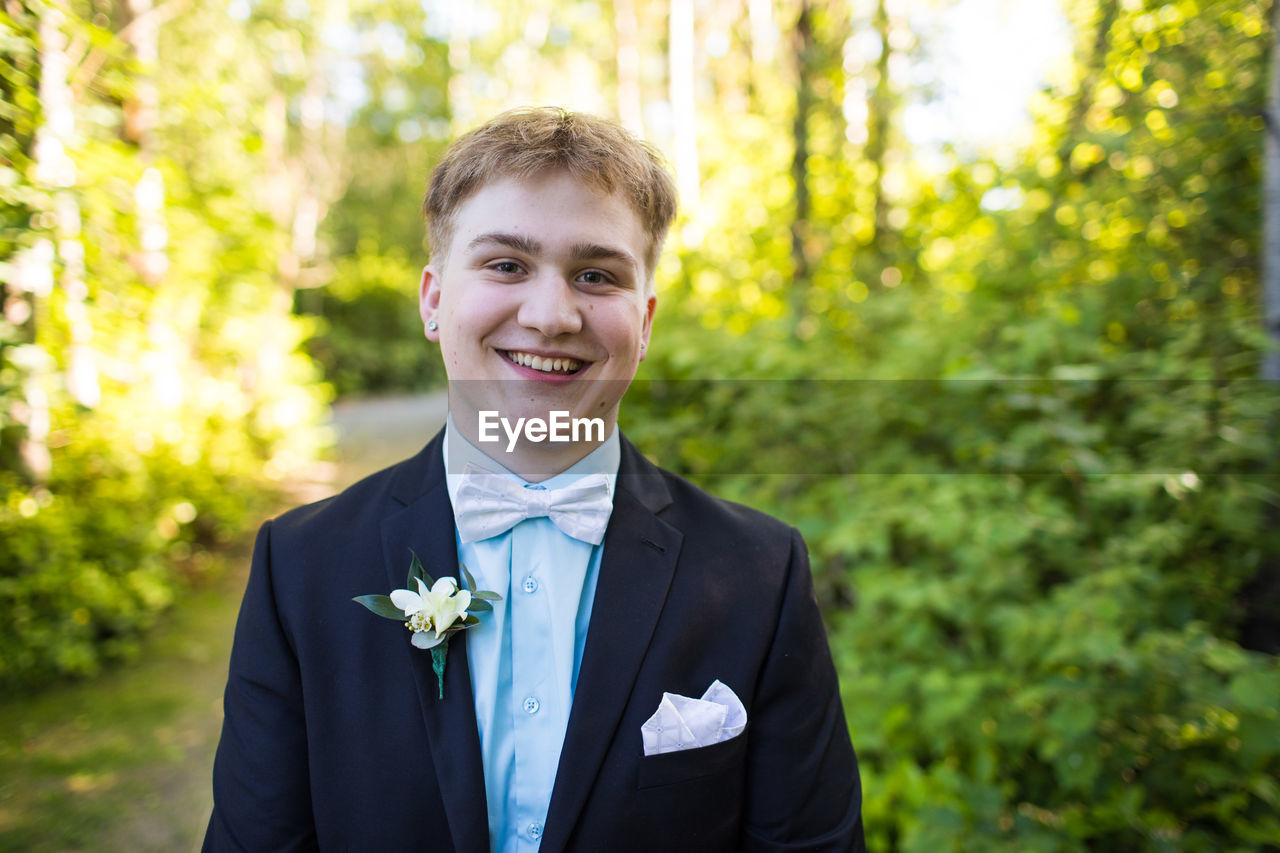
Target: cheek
[[470, 317], [624, 327]]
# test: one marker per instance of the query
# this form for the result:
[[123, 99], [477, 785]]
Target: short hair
[[530, 141]]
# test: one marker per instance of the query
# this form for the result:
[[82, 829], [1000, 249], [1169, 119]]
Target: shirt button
[[530, 584], [535, 830], [531, 706]]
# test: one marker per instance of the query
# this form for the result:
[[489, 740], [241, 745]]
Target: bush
[[152, 390], [136, 496], [1034, 588], [371, 338]]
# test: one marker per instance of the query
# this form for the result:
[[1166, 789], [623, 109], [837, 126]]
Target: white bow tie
[[488, 504]]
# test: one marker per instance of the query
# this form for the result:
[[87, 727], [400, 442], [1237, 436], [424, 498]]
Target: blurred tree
[[630, 104], [1271, 242], [1040, 580], [397, 75], [881, 107], [1016, 410], [805, 58], [170, 396], [395, 61], [681, 41]]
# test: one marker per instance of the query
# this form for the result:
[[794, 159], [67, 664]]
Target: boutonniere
[[435, 612]]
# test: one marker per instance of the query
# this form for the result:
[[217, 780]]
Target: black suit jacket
[[334, 737]]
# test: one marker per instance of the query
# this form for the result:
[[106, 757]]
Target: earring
[[432, 325]]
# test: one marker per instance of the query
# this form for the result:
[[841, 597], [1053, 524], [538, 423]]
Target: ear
[[429, 301], [650, 304]]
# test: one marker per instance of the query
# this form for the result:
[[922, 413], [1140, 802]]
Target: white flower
[[437, 608]]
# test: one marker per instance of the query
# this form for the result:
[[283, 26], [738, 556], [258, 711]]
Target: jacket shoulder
[[698, 513], [730, 530]]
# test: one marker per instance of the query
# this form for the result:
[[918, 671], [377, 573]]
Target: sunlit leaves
[[1071, 635], [205, 401]]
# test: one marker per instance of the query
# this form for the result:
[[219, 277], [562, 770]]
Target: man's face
[[541, 301]]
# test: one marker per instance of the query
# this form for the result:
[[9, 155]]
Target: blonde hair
[[530, 141]]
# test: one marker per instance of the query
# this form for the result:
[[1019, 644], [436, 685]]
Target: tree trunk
[[461, 110], [879, 122], [625, 27], [313, 174], [1260, 598], [1094, 64], [55, 172], [1271, 203], [804, 50], [680, 46], [764, 39], [140, 30]]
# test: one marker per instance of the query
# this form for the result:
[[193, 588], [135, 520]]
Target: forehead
[[549, 206]]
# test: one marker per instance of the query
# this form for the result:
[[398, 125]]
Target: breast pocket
[[669, 768]]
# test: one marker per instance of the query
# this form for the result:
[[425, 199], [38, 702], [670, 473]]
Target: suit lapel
[[640, 552], [425, 526]]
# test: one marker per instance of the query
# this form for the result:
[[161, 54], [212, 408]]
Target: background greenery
[[1009, 394]]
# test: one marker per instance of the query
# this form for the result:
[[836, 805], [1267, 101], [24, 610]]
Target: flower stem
[[437, 663]]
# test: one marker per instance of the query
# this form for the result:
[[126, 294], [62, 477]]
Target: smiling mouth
[[561, 366]]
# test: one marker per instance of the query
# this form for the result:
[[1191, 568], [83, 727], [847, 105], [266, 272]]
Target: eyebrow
[[527, 245], [578, 251], [597, 252]]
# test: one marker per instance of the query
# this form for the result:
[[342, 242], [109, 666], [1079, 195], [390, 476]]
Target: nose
[[550, 306]]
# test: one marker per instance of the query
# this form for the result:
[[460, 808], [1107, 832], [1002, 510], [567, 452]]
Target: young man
[[655, 675]]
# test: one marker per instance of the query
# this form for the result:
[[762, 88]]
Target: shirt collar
[[459, 452]]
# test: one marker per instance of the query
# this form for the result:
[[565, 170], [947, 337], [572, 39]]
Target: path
[[376, 432], [122, 762]]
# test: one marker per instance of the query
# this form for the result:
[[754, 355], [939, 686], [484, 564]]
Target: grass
[[123, 761]]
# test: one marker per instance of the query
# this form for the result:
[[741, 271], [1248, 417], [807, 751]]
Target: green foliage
[[152, 392], [1038, 473], [372, 339], [93, 554], [397, 132], [1013, 407], [381, 605]]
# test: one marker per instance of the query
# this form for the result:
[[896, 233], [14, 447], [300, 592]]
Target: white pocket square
[[684, 723]]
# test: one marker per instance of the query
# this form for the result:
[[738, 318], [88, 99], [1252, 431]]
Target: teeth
[[546, 365]]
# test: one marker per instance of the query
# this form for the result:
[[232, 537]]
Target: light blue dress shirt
[[525, 655]]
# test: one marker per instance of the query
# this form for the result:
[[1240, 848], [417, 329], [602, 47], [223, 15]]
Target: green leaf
[[381, 605], [1256, 690], [471, 582], [416, 571], [478, 605], [487, 595]]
